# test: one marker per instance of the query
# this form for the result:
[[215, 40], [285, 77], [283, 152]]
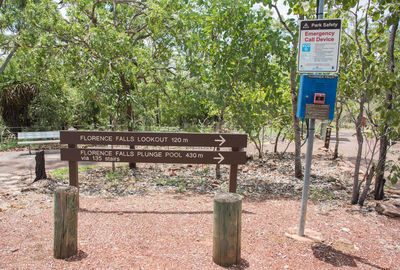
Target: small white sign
[[319, 45]]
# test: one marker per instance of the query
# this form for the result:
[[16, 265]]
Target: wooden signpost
[[236, 142]]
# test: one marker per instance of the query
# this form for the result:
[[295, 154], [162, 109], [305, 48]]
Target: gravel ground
[[160, 217], [271, 178], [174, 231]]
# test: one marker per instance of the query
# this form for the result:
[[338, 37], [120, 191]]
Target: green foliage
[[394, 170], [116, 175], [63, 173], [179, 183], [186, 64], [9, 144], [254, 110], [321, 195]]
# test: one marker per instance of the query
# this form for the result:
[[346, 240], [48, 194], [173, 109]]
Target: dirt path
[[172, 231], [161, 229], [347, 147]]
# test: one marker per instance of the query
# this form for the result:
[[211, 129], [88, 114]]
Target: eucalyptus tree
[[365, 79], [302, 10], [389, 113], [111, 47], [32, 78], [105, 40], [256, 107], [10, 26], [230, 46]]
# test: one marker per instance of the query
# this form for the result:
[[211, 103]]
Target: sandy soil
[[173, 231], [167, 230]]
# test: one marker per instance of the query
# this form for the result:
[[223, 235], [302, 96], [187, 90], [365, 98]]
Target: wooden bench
[[39, 137]]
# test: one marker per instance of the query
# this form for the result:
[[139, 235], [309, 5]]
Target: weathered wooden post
[[327, 137], [73, 170], [227, 229], [65, 222], [233, 174], [40, 169]]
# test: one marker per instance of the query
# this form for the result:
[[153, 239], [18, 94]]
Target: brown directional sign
[[153, 156], [154, 138], [73, 154]]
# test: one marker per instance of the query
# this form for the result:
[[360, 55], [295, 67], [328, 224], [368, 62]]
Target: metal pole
[[310, 144], [320, 9], [307, 172]]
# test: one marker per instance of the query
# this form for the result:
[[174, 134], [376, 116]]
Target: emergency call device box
[[317, 97]]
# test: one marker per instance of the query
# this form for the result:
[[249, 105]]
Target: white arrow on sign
[[222, 140], [221, 158]]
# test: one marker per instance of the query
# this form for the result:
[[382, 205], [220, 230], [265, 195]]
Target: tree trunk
[[367, 185], [286, 148], [380, 169], [294, 96], [383, 141], [296, 126], [40, 169], [129, 116], [257, 144], [8, 59], [158, 112], [360, 142], [338, 116], [276, 141]]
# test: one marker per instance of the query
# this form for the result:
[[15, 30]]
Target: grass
[[10, 145], [179, 183], [62, 173], [319, 195], [114, 175]]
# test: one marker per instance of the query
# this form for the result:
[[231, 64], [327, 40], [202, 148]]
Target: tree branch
[[8, 59], [115, 13], [366, 27], [360, 54], [130, 1], [91, 16], [349, 36], [392, 38], [283, 22], [167, 69], [137, 30], [140, 38]]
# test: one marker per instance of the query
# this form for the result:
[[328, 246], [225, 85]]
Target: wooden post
[[65, 222], [40, 168], [73, 170], [233, 175], [227, 229], [327, 137]]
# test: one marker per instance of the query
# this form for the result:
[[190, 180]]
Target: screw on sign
[[234, 156]]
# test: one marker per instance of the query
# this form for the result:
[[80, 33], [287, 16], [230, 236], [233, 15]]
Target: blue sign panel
[[306, 47], [317, 89]]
